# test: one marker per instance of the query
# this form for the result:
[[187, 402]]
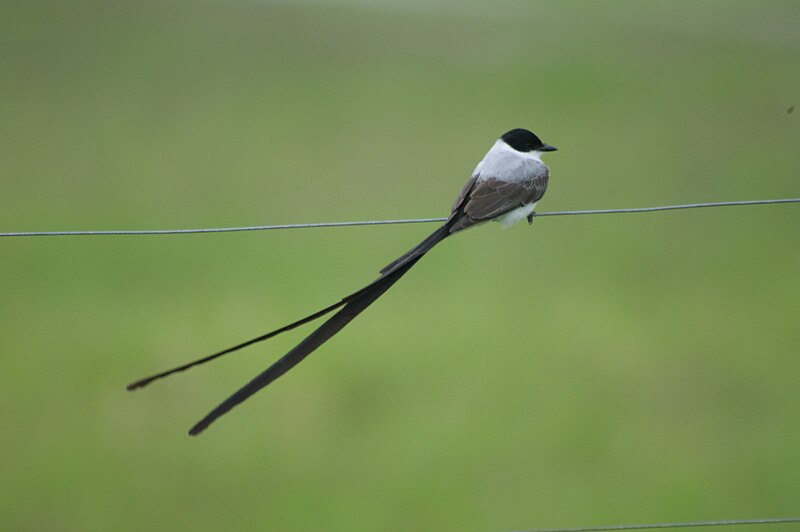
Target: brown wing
[[482, 200], [465, 190]]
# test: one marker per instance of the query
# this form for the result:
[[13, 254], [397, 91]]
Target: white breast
[[517, 215]]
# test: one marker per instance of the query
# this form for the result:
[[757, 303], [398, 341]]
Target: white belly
[[517, 215]]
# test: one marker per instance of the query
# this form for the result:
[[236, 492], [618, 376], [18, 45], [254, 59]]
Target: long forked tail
[[354, 304]]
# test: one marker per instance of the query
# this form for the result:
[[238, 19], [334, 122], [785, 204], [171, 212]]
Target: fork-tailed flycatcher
[[504, 187]]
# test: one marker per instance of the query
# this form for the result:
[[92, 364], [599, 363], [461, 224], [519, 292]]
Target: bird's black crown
[[524, 141]]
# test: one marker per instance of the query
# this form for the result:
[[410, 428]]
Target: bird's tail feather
[[354, 304]]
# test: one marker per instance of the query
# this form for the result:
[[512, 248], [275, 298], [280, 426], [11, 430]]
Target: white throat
[[502, 146], [504, 162]]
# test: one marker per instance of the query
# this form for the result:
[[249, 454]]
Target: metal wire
[[690, 524], [389, 222]]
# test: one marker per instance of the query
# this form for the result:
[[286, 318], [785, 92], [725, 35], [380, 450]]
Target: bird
[[504, 187]]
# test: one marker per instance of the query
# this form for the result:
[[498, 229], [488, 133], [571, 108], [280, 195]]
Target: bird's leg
[[530, 218]]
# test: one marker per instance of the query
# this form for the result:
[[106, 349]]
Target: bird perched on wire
[[504, 187]]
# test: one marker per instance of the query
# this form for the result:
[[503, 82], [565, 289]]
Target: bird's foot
[[530, 218]]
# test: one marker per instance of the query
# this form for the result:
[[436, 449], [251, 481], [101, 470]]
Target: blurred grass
[[584, 371]]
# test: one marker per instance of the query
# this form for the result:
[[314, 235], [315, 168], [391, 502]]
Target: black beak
[[547, 147]]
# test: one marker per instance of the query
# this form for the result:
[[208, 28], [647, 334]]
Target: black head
[[525, 141]]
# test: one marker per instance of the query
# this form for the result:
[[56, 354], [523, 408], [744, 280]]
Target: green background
[[586, 370]]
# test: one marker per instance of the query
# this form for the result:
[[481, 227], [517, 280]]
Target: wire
[[690, 524], [391, 222], [673, 207], [222, 229]]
